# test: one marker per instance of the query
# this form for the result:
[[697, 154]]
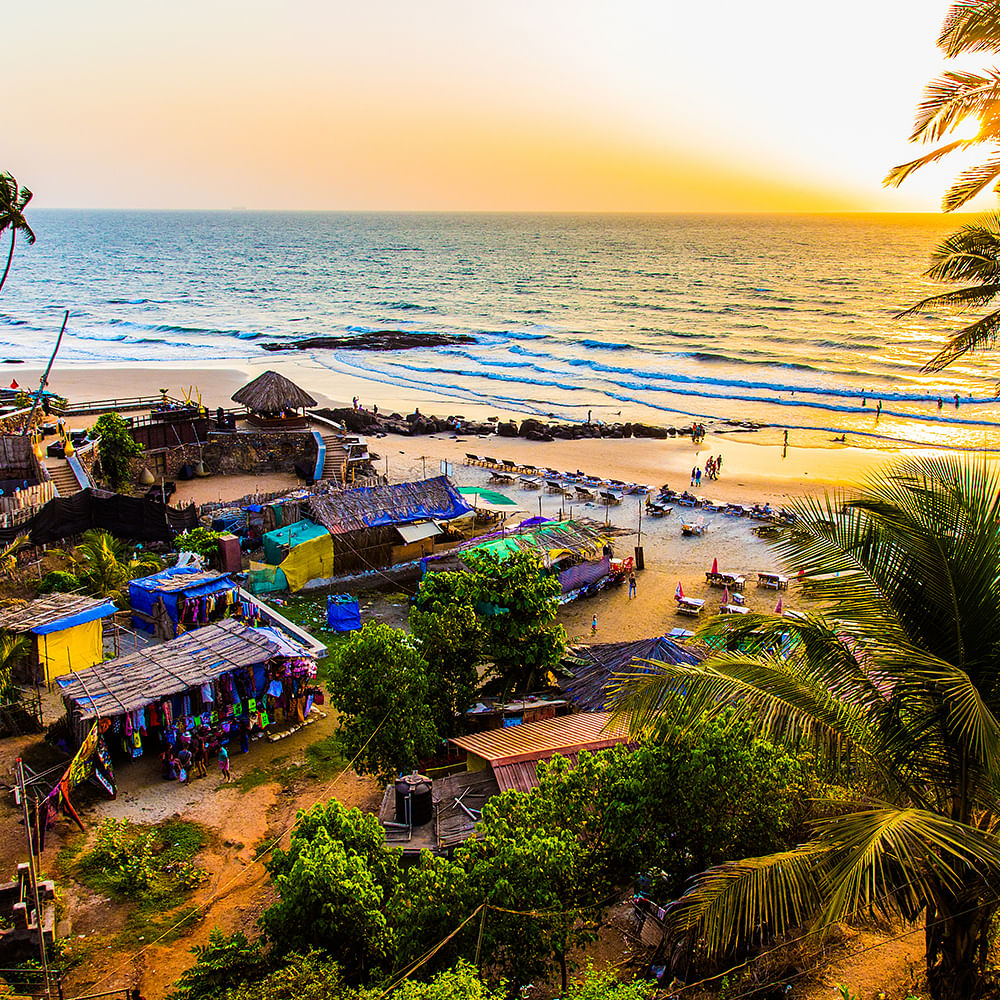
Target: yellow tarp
[[309, 561], [75, 648]]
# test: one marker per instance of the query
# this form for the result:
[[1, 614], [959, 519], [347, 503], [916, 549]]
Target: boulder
[[507, 430]]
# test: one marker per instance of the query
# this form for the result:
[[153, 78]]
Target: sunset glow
[[632, 106]]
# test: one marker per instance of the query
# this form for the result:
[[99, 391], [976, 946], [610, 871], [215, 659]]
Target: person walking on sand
[[631, 584], [224, 764], [694, 472], [786, 439], [200, 757], [956, 400], [593, 625], [940, 403], [697, 477], [718, 463]]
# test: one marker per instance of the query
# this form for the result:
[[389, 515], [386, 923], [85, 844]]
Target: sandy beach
[[753, 470]]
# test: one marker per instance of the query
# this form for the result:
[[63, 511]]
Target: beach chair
[[733, 609], [693, 528], [584, 494], [530, 483], [690, 606], [772, 581]]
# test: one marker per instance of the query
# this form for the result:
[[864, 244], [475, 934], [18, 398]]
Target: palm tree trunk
[[10, 257], [957, 939]]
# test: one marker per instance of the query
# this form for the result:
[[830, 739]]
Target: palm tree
[[106, 564], [970, 255], [898, 678], [11, 648], [12, 205]]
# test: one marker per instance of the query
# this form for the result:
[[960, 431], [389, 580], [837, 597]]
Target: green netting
[[263, 578]]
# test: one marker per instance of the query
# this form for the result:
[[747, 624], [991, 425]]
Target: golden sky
[[532, 105]]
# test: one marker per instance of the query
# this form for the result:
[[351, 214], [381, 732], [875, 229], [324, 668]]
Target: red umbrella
[[13, 384], [725, 595], [715, 565], [778, 608]]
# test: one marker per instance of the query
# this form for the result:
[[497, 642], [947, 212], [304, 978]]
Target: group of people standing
[[712, 467], [697, 433]]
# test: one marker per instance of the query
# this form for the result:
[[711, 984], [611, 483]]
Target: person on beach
[[200, 757], [224, 764], [956, 400], [694, 472], [940, 403], [355, 402], [718, 463], [593, 625], [878, 410], [588, 415], [786, 439], [697, 477], [184, 759], [631, 584]]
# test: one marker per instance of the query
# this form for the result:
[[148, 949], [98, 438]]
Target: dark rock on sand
[[378, 340]]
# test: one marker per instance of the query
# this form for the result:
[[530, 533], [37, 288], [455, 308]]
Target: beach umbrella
[[715, 565], [778, 607], [679, 593], [13, 384], [725, 595]]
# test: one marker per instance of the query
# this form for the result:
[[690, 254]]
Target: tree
[[202, 541], [220, 964], [450, 639], [105, 565], [332, 884], [518, 603], [969, 256], [13, 202], [379, 685], [898, 676], [116, 448]]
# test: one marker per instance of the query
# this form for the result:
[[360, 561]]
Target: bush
[[202, 541], [59, 582]]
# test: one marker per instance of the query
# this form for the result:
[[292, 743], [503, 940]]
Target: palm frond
[[899, 173], [745, 902], [969, 183], [975, 295], [974, 337], [971, 26], [951, 99]]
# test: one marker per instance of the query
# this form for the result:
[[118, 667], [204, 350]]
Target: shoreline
[[755, 464]]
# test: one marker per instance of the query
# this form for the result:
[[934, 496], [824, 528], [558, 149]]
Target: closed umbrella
[[679, 593], [778, 607], [715, 565]]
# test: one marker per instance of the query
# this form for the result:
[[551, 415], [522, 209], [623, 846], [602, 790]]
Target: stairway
[[336, 459], [63, 477]]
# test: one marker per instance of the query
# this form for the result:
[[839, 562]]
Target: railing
[[107, 405], [28, 496]]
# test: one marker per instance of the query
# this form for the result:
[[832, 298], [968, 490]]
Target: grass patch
[[152, 866], [254, 778], [325, 757]]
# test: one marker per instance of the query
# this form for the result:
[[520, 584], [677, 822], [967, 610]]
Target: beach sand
[[755, 469]]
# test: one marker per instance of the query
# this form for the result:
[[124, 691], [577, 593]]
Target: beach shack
[[180, 598], [577, 554], [274, 402], [64, 632], [590, 670], [217, 683], [512, 753]]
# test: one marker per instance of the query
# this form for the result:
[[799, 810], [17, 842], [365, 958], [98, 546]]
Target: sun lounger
[[693, 527], [690, 606], [584, 494], [530, 483], [501, 477], [773, 581], [680, 634], [733, 609], [610, 497]]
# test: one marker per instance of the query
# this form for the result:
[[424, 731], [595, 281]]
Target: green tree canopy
[[898, 675], [332, 885], [379, 684], [520, 602], [116, 448]]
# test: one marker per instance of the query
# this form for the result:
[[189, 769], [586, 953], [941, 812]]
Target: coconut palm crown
[[13, 201], [895, 685]]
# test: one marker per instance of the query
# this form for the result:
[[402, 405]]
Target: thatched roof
[[593, 667], [141, 677], [272, 393], [54, 609], [398, 503]]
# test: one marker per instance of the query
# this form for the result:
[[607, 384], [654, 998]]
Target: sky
[[441, 105]]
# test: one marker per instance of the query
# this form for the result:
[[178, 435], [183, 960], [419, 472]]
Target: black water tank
[[416, 788]]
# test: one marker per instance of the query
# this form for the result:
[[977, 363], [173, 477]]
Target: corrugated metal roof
[[411, 533], [536, 740], [522, 777]]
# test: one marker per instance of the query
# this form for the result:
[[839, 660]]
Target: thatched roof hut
[[593, 668], [272, 395]]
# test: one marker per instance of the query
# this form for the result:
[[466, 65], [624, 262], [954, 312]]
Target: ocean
[[783, 320]]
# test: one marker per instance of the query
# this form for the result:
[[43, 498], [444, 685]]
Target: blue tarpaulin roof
[[80, 618]]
